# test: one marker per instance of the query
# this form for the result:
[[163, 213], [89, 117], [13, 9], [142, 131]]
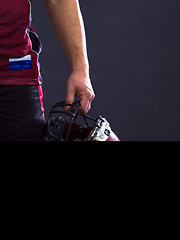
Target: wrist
[[79, 63], [81, 68]]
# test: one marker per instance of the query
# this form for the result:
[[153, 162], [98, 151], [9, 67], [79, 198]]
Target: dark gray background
[[134, 53]]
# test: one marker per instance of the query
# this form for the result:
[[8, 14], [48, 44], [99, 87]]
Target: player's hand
[[79, 85]]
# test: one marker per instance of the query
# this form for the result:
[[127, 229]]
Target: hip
[[21, 113]]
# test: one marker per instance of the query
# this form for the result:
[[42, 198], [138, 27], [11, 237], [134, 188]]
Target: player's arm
[[68, 24]]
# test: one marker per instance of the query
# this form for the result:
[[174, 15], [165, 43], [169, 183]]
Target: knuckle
[[93, 95], [90, 94]]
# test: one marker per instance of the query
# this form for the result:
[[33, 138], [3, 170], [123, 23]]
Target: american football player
[[21, 96]]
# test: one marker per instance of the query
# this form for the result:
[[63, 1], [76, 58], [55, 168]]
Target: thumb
[[70, 96]]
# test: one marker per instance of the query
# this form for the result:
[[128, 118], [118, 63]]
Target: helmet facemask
[[71, 126]]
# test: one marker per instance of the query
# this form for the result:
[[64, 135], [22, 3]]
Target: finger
[[92, 97]]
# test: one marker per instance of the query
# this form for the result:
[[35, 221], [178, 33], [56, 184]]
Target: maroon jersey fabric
[[19, 44]]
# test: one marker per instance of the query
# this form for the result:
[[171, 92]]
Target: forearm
[[68, 25]]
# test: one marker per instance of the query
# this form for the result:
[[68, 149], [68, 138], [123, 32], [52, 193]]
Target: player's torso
[[17, 58], [14, 20]]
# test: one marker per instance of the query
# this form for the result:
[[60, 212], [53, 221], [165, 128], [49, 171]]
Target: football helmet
[[68, 125]]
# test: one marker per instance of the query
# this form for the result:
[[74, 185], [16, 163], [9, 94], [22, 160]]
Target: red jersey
[[19, 44]]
